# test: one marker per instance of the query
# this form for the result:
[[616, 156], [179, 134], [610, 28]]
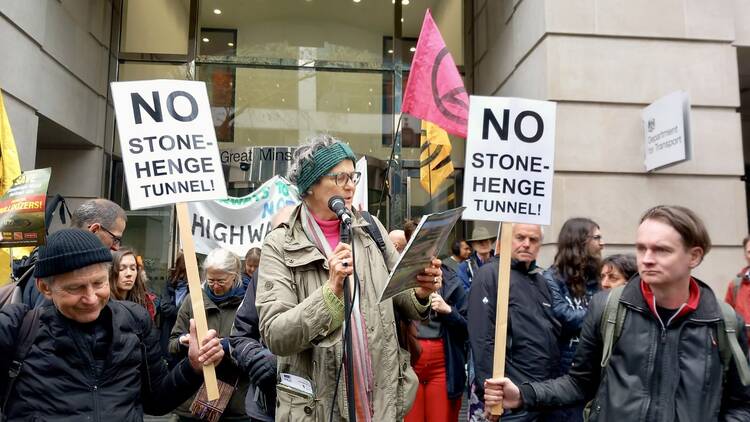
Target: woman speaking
[[300, 300]]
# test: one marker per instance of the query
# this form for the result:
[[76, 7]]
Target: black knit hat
[[68, 250]]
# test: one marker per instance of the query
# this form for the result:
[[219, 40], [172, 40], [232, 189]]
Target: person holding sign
[[222, 294], [532, 352], [303, 268], [677, 355], [84, 356]]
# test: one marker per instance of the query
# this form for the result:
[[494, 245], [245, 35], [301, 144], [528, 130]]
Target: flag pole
[[388, 164]]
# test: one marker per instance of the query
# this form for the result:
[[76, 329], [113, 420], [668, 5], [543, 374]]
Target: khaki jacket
[[296, 324]]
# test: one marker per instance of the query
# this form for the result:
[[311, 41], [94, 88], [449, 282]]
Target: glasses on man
[[116, 240], [342, 178]]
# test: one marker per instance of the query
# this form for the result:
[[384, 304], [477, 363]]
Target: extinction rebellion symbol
[[452, 104]]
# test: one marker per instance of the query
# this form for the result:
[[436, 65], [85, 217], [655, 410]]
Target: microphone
[[338, 206]]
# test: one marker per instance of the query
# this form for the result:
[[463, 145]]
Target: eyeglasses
[[342, 178], [116, 240]]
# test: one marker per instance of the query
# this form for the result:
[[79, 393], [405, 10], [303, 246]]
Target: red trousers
[[432, 404]]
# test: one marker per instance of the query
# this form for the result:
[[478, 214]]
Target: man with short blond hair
[[668, 360]]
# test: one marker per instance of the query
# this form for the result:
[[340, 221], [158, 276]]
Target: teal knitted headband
[[323, 160]]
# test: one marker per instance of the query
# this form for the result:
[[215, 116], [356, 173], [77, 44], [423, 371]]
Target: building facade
[[278, 71]]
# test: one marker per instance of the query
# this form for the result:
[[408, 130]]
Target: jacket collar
[[298, 249], [702, 301]]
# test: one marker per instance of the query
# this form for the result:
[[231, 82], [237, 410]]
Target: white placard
[[666, 123], [359, 202], [238, 224], [510, 154], [168, 142]]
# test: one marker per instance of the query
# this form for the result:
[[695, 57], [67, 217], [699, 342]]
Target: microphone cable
[[346, 332]]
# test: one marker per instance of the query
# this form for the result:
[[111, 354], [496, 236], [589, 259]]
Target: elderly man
[[398, 237], [531, 347], [666, 361], [100, 216], [83, 356]]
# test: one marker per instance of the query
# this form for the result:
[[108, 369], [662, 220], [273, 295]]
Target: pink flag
[[435, 90]]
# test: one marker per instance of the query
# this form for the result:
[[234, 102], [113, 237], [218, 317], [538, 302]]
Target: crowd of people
[[589, 337]]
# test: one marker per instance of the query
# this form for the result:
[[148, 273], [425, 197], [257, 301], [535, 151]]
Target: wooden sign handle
[[196, 296], [501, 312]]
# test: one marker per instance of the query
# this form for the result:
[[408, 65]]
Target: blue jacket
[[469, 268], [453, 330], [570, 312]]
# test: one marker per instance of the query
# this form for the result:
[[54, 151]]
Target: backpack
[[26, 336], [729, 348]]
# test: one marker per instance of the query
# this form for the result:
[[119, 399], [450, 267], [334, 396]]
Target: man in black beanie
[[91, 357]]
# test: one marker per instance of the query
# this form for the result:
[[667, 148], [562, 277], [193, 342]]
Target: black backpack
[[26, 335]]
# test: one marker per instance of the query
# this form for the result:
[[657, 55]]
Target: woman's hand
[[340, 266], [438, 304], [430, 280]]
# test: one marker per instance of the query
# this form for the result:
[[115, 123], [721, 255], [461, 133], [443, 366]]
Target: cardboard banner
[[168, 143], [22, 210], [510, 155], [170, 156], [239, 224]]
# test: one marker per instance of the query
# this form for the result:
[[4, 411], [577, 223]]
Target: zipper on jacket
[[95, 397]]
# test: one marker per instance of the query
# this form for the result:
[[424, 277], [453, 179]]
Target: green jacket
[[219, 317], [297, 324]]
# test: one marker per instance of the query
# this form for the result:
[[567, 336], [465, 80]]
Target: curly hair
[[138, 293], [624, 263], [572, 260]]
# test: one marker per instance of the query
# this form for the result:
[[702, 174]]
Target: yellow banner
[[10, 168], [435, 159]]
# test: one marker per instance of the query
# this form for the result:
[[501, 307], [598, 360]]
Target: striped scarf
[[362, 367]]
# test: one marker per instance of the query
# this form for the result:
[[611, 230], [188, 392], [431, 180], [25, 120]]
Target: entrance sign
[[510, 153], [666, 124], [168, 143], [170, 156], [238, 224]]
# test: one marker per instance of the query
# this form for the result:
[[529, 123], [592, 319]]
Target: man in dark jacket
[[531, 346], [91, 357], [254, 358], [665, 365]]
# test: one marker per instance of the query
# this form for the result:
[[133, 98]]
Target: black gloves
[[262, 369]]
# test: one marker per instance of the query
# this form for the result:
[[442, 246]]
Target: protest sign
[[666, 125], [238, 224], [22, 210], [426, 241], [168, 143], [360, 201], [510, 153], [170, 156]]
